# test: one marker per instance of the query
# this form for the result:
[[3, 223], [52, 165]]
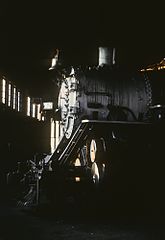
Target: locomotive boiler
[[105, 92]]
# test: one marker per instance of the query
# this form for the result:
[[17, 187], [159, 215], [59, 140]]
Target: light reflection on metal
[[77, 162], [95, 173], [47, 105], [93, 150], [114, 56], [155, 67], [38, 112], [156, 106], [106, 56], [67, 103], [57, 123], [52, 135], [54, 60], [77, 179]]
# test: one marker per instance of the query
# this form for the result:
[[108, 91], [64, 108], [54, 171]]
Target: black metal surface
[[117, 106], [99, 89]]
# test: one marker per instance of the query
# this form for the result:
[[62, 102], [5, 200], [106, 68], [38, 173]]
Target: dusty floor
[[43, 224]]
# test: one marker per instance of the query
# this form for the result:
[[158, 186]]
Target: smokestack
[[107, 56]]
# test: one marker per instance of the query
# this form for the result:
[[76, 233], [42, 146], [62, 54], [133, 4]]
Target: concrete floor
[[45, 224]]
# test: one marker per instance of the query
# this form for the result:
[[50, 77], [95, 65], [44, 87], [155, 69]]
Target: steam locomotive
[[109, 126], [109, 131]]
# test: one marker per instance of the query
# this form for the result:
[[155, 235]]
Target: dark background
[[32, 30]]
